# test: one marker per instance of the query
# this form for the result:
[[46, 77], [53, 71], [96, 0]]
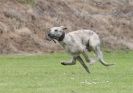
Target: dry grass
[[111, 19]]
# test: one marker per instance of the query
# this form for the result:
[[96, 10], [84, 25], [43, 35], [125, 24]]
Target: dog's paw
[[92, 61], [63, 63]]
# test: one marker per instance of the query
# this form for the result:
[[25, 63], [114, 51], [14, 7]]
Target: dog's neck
[[61, 37]]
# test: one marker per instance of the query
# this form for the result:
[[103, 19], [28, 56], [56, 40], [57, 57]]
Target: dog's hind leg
[[72, 62], [99, 54], [87, 59], [82, 63]]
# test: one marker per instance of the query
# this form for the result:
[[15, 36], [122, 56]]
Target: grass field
[[45, 74]]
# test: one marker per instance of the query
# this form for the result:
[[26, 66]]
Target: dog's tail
[[104, 63], [100, 57]]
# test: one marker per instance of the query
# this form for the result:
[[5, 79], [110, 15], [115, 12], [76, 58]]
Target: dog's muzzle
[[53, 37], [50, 37]]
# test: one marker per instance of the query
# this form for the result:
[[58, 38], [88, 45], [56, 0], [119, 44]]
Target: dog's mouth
[[50, 37]]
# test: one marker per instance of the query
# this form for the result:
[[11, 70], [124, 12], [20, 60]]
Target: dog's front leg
[[72, 62], [82, 63]]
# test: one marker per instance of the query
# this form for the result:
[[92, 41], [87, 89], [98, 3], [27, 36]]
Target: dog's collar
[[62, 37]]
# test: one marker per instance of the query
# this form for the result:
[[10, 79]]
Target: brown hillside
[[23, 23]]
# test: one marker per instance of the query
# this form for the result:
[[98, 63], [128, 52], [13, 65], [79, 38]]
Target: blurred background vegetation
[[24, 23]]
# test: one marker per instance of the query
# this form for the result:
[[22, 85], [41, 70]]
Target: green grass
[[30, 2], [45, 74]]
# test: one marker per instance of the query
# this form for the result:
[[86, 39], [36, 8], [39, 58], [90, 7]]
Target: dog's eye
[[56, 30]]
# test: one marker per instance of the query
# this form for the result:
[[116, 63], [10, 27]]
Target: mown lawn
[[45, 74]]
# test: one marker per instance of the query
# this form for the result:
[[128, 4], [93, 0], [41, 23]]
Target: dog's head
[[57, 33]]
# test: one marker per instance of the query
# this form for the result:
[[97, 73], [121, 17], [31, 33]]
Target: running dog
[[78, 43]]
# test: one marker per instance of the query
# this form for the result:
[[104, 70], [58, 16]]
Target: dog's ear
[[64, 28]]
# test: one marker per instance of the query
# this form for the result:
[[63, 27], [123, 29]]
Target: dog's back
[[85, 37]]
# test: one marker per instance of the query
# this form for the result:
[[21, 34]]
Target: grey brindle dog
[[78, 43]]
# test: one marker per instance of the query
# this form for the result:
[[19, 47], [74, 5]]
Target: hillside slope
[[24, 23]]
